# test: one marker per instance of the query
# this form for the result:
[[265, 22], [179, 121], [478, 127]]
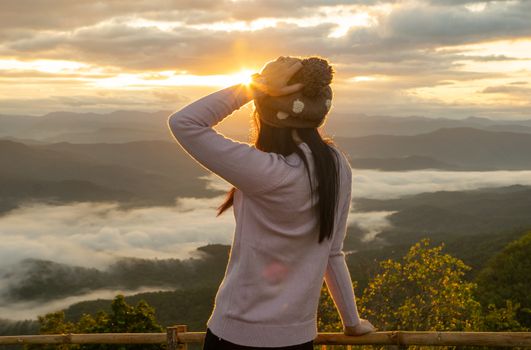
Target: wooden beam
[[180, 337]]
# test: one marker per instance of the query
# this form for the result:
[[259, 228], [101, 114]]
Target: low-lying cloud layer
[[95, 234], [30, 310], [393, 184]]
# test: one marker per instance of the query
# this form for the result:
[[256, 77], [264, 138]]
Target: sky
[[435, 58]]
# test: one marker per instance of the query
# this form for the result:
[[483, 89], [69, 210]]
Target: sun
[[244, 76]]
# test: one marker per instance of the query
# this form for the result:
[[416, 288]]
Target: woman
[[291, 198]]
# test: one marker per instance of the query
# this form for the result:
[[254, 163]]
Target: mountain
[[345, 125], [155, 172], [127, 126], [412, 162], [466, 148], [115, 127], [36, 280], [445, 214], [192, 304], [142, 172]]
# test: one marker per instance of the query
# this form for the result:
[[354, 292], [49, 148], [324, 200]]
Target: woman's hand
[[275, 75], [364, 327]]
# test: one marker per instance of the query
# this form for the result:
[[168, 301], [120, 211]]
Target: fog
[[371, 223], [30, 310], [377, 184], [95, 234], [393, 184]]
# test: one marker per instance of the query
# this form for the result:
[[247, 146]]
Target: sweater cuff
[[243, 93]]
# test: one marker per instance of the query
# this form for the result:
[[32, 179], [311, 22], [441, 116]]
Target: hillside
[[443, 216], [118, 126], [461, 213], [366, 125], [158, 171], [192, 305], [127, 126], [142, 172], [467, 148]]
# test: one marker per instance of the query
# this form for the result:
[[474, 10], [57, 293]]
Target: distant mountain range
[[156, 172], [448, 148], [143, 172], [131, 158], [127, 126], [116, 127], [363, 125], [446, 214]]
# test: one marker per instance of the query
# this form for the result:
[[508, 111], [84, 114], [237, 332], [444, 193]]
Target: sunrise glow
[[401, 52], [171, 78]]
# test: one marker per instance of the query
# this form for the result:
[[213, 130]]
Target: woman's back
[[270, 291]]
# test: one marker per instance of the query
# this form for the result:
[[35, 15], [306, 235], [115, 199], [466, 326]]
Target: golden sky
[[435, 58]]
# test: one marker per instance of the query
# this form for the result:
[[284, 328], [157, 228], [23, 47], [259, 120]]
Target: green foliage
[[505, 279], [123, 318], [502, 319], [191, 306], [423, 292], [426, 291]]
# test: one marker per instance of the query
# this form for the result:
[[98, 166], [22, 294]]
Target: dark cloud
[[491, 58], [463, 2], [508, 90], [67, 14], [426, 26], [119, 44]]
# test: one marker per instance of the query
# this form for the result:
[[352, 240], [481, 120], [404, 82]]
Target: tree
[[505, 279], [425, 291], [123, 318], [503, 318]]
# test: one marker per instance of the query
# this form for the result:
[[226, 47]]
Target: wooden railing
[[177, 337]]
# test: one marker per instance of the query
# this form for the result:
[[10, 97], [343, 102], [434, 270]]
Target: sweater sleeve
[[337, 275], [244, 166]]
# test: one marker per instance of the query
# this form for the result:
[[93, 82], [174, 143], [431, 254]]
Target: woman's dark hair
[[268, 138]]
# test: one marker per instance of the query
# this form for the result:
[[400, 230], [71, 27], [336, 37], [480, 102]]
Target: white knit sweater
[[270, 292]]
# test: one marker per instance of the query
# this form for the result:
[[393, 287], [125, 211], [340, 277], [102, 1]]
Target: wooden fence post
[[172, 334]]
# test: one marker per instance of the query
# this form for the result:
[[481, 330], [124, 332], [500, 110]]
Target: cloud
[[103, 101], [198, 51], [117, 41], [95, 234], [370, 223], [30, 310], [409, 45], [392, 184], [65, 14], [428, 26], [376, 184], [514, 89]]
